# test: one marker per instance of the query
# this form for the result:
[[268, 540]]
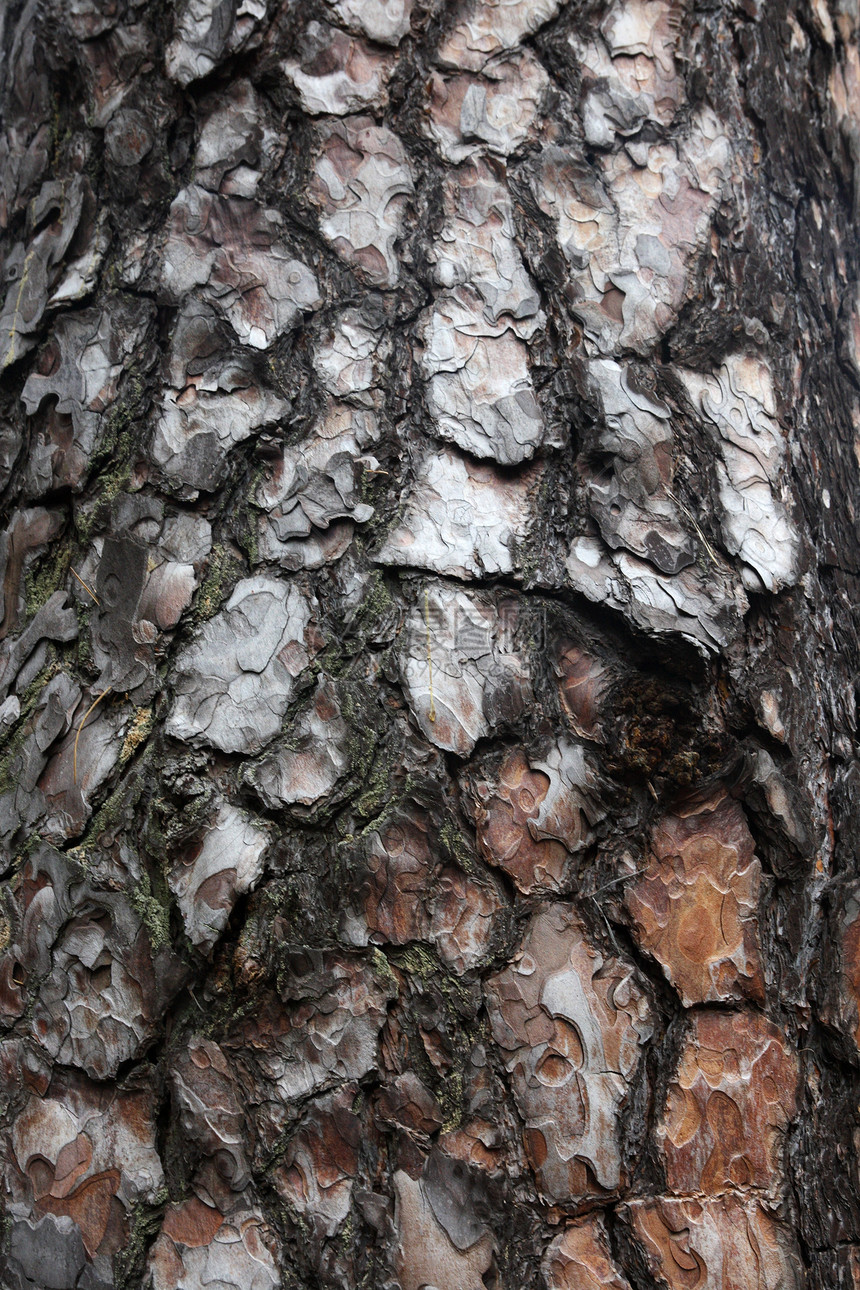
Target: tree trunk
[[429, 444]]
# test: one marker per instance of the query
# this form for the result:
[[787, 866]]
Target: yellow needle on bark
[[86, 588], [432, 712], [80, 728]]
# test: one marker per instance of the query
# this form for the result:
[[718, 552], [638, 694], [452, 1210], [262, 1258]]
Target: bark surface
[[429, 443]]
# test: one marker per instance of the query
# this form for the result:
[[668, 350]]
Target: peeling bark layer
[[429, 441]]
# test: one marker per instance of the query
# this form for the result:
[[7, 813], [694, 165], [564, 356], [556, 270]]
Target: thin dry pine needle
[[691, 517], [80, 728], [87, 588], [432, 711]]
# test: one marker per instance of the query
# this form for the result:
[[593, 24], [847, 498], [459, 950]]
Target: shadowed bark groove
[[429, 441]]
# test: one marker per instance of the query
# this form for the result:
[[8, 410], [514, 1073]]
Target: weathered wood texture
[[429, 443]]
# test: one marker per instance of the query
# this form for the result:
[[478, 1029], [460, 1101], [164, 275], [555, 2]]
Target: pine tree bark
[[428, 682]]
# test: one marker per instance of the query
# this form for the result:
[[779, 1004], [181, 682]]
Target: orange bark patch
[[192, 1223], [582, 681], [731, 1099], [725, 1244], [579, 1259], [695, 906]]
